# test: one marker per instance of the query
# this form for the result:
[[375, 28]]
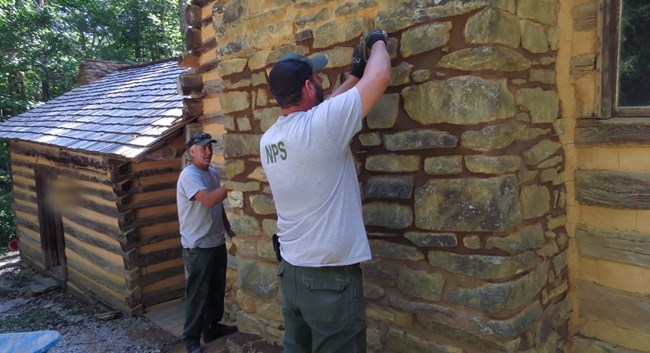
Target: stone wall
[[460, 165], [608, 182]]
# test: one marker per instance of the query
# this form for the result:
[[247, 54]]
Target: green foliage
[[634, 59], [42, 43]]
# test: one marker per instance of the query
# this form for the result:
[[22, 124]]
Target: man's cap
[[290, 73], [200, 138]]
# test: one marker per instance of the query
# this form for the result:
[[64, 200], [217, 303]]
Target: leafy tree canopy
[[43, 41]]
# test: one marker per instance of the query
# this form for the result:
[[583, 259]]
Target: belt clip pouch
[[276, 247]]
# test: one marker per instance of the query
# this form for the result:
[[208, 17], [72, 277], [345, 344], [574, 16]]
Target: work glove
[[358, 61], [373, 37]]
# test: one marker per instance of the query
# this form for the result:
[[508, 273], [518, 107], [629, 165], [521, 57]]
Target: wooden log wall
[[608, 202], [83, 194], [119, 220], [202, 81], [147, 215]]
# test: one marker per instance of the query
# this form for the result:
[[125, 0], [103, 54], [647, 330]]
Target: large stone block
[[388, 215], [527, 238], [440, 240], [493, 26], [542, 11], [335, 32], [512, 327], [395, 16], [389, 187], [389, 315], [420, 284], [485, 58], [400, 74], [492, 164], [419, 306], [391, 250], [406, 342], [244, 225], [235, 101], [542, 105], [492, 137], [479, 342], [424, 38], [496, 297], [384, 114], [535, 201], [239, 145], [443, 165], [463, 100], [262, 204], [468, 204], [540, 151], [393, 163], [258, 277], [419, 140], [483, 266], [533, 37]]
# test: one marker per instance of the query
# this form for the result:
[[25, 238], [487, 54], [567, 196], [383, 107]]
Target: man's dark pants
[[204, 291], [323, 309]]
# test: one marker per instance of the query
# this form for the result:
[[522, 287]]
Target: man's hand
[[358, 61], [371, 38]]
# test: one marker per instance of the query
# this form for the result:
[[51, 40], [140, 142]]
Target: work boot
[[215, 331]]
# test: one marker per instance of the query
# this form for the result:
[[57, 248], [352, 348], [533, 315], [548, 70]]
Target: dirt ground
[[84, 328]]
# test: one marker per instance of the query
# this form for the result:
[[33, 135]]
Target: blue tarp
[[28, 342]]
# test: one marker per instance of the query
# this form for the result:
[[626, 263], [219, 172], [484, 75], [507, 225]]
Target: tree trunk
[[182, 4]]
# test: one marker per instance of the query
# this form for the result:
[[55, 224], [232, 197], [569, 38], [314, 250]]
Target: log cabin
[[94, 176]]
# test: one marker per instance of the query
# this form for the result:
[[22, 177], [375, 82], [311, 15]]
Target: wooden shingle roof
[[124, 114]]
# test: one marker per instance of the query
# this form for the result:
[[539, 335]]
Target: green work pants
[[204, 290], [323, 309]]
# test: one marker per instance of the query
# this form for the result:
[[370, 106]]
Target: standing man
[[203, 228], [311, 171]]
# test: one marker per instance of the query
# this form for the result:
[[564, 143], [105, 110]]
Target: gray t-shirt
[[200, 226], [307, 159]]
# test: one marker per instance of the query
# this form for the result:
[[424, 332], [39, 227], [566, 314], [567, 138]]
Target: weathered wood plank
[[155, 237], [161, 275], [111, 231], [93, 291], [42, 154], [613, 189], [624, 309], [158, 256], [104, 259], [96, 239], [77, 173], [163, 295], [613, 135], [189, 84], [614, 245]]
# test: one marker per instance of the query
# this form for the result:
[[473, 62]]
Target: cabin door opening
[[51, 226]]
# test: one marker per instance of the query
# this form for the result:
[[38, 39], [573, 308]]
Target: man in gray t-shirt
[[203, 226], [307, 160]]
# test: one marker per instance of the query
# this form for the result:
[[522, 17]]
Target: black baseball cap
[[200, 138], [291, 71]]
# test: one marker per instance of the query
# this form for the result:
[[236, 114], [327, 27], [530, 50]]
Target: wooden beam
[[623, 309], [612, 135], [614, 245], [613, 189], [188, 61], [192, 108], [161, 275], [193, 16], [189, 84], [193, 39]]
